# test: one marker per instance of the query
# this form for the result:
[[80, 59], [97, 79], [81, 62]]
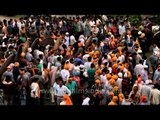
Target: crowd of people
[[91, 60]]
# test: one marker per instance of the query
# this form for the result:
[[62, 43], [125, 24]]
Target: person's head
[[22, 71], [71, 60], [59, 59], [16, 64], [35, 79], [9, 68], [141, 62], [89, 59], [135, 89], [60, 81], [67, 34], [154, 45], [37, 60], [133, 96], [41, 56], [97, 82], [11, 47], [29, 50], [84, 95], [143, 99], [70, 79], [67, 100], [92, 65]]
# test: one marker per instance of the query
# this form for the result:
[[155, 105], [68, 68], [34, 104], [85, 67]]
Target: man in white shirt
[[87, 65], [60, 91], [122, 29], [155, 49], [65, 74], [67, 39], [155, 95], [146, 90]]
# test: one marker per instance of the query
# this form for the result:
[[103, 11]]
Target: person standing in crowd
[[60, 91], [91, 73], [35, 92], [9, 90]]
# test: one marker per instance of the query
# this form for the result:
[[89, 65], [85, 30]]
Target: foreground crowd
[[91, 60]]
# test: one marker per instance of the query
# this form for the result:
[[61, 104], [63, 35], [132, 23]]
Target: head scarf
[[67, 100], [98, 81], [115, 99], [108, 76], [111, 103], [143, 99], [115, 77], [112, 81]]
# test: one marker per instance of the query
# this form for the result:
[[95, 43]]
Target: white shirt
[[86, 101], [34, 90], [54, 87], [67, 41], [61, 91], [103, 79], [37, 53], [65, 74], [121, 58], [119, 83], [156, 50], [87, 65], [122, 29], [138, 69], [155, 97]]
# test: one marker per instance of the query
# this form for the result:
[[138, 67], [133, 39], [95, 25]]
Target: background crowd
[[80, 60]]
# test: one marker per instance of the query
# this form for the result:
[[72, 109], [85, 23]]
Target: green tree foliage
[[135, 20]]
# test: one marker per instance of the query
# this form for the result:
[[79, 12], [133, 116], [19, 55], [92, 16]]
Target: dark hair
[[89, 59], [92, 65], [35, 79], [141, 61], [59, 58], [71, 60], [156, 85], [45, 65], [41, 56], [60, 79]]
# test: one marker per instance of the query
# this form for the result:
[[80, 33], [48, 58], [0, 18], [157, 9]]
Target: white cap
[[3, 44], [29, 49], [81, 66], [139, 33], [145, 66], [139, 51], [147, 82], [72, 37], [67, 33], [47, 47], [120, 75], [81, 36]]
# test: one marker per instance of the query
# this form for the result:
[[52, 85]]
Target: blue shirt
[[77, 60]]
